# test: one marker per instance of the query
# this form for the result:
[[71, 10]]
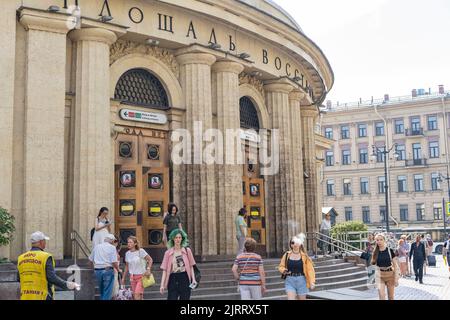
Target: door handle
[[139, 218]]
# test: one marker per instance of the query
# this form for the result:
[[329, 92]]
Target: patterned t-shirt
[[248, 266]]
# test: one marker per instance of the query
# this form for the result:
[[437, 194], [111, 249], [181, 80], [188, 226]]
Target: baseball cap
[[38, 236], [110, 237]]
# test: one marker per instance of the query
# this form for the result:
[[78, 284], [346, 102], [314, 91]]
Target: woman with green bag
[[136, 260]]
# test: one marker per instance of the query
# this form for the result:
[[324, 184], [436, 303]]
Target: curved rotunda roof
[[271, 8]]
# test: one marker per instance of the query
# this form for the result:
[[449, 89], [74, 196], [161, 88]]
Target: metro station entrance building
[[93, 91]]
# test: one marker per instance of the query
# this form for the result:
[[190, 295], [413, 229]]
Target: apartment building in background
[[353, 181]]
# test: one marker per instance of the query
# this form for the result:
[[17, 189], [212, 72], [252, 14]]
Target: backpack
[[93, 231]]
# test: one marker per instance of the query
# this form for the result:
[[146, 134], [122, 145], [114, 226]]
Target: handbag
[[148, 281], [284, 275], [365, 255], [197, 274]]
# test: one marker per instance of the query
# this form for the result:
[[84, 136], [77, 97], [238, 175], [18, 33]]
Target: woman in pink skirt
[[138, 264]]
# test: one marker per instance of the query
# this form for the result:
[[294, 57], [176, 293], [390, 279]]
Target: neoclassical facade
[[92, 92]]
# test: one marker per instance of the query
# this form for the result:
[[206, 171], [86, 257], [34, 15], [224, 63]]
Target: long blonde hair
[[377, 249], [136, 242]]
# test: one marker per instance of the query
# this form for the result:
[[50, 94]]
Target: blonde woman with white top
[[138, 264]]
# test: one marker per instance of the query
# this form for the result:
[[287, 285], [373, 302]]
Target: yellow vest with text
[[33, 278]]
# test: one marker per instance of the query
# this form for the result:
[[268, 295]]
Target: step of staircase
[[217, 281]]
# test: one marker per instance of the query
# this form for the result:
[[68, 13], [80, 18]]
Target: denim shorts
[[297, 285]]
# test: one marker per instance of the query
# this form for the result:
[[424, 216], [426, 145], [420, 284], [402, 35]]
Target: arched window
[[140, 87], [248, 113]]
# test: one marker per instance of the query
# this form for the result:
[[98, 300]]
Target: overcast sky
[[379, 46]]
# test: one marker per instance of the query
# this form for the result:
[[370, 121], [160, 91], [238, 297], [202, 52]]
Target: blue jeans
[[105, 280]]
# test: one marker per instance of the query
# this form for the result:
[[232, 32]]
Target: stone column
[[200, 201], [92, 166], [7, 65], [313, 212], [228, 176], [44, 126], [175, 117], [297, 161], [281, 208]]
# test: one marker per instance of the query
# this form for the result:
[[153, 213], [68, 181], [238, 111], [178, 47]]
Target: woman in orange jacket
[[297, 269]]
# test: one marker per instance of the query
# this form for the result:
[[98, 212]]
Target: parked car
[[437, 247]]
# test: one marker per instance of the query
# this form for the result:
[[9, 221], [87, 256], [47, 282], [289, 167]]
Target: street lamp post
[[385, 151], [444, 211]]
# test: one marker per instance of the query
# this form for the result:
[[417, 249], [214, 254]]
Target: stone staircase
[[217, 281]]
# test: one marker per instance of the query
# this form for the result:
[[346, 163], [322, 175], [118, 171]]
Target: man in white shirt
[[325, 229], [104, 258]]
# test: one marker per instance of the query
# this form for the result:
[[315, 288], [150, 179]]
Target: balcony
[[414, 132], [416, 163]]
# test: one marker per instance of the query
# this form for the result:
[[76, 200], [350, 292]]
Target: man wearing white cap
[[104, 258], [37, 272]]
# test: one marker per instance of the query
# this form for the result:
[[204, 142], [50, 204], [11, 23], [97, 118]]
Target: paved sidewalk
[[436, 285]]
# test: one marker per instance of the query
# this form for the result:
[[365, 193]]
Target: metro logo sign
[[141, 116]]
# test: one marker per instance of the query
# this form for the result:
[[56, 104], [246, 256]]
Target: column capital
[[228, 66], [297, 95], [309, 111], [93, 34], [46, 21], [196, 58], [281, 85]]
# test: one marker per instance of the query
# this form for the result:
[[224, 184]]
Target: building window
[[366, 214], [380, 154], [399, 126], [417, 151], [362, 130], [347, 187], [418, 182], [434, 149], [415, 124], [420, 211], [437, 211], [379, 128], [432, 123], [401, 151], [348, 214], [345, 132], [346, 157], [248, 114], [363, 156], [435, 184], [383, 213], [381, 184], [364, 183], [140, 87], [404, 212], [329, 159], [402, 186], [330, 188], [329, 133]]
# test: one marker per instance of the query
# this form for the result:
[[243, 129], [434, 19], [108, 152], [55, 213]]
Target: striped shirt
[[248, 266]]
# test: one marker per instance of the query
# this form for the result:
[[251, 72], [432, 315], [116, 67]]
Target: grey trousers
[[241, 242], [250, 292]]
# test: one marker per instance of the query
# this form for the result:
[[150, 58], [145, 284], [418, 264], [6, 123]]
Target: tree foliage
[[7, 227]]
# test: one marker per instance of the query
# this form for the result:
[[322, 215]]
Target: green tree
[[7, 227], [341, 229]]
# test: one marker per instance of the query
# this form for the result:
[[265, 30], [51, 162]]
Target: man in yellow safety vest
[[37, 272]]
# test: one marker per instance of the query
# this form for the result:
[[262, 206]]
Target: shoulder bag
[[284, 275]]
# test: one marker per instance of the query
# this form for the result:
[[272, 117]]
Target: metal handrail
[[340, 245], [78, 243]]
